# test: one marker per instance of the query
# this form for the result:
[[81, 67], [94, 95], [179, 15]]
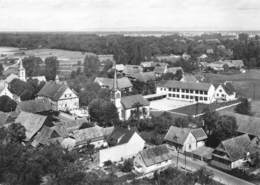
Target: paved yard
[[167, 104]]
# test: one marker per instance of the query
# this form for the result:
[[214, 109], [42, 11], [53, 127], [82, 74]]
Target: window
[[178, 96], [197, 92], [173, 95], [191, 91], [201, 98], [217, 94], [191, 97], [183, 90], [205, 92], [201, 92], [220, 90], [177, 90], [170, 89], [205, 99], [187, 97], [161, 89], [173, 89], [187, 90], [189, 146], [182, 96], [169, 95]]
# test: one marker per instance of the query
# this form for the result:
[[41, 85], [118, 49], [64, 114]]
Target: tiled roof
[[178, 135], [130, 101], [82, 136], [121, 135], [155, 155], [229, 88], [237, 147], [31, 122], [34, 106], [108, 82], [185, 85], [52, 90]]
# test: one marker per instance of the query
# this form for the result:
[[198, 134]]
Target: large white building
[[187, 91], [60, 96]]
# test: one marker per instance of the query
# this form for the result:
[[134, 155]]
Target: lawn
[[247, 84]]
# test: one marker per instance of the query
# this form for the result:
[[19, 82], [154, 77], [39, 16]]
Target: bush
[[127, 165], [244, 107], [108, 163]]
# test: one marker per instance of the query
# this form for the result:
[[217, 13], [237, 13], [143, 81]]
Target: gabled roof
[[132, 69], [32, 123], [34, 106], [229, 88], [108, 82], [130, 101], [3, 85], [237, 147], [53, 90], [11, 77], [95, 133], [121, 135], [178, 135], [155, 155], [185, 85]]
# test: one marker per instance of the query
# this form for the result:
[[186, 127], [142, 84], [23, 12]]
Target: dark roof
[[52, 90], [237, 147], [130, 101], [229, 88], [121, 135], [178, 135], [34, 106], [108, 82], [185, 85], [156, 155], [132, 69]]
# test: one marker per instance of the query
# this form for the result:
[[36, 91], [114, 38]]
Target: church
[[129, 107]]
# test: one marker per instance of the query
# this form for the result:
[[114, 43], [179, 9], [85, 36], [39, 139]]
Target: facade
[[4, 91], [60, 96], [185, 139], [126, 144], [153, 159], [187, 91], [128, 106], [225, 92], [234, 153], [21, 71]]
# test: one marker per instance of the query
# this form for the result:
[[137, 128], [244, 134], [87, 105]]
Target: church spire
[[22, 75], [115, 82]]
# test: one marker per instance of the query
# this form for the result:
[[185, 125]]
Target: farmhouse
[[233, 153], [60, 96], [124, 84], [187, 91], [185, 139], [152, 159], [225, 92], [34, 106], [125, 143]]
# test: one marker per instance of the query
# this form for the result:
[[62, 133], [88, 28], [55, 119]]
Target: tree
[[103, 112], [91, 65], [244, 107], [181, 122], [1, 69], [7, 104], [209, 120], [16, 133], [17, 87], [32, 65], [51, 68], [127, 165]]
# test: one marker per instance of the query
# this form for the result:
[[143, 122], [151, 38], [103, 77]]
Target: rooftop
[[185, 85], [52, 90], [131, 101]]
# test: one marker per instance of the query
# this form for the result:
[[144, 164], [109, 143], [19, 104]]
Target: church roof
[[130, 101], [52, 90]]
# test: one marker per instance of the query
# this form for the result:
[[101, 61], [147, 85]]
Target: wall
[[237, 163], [222, 95], [68, 101], [124, 151], [190, 143], [6, 92], [127, 113]]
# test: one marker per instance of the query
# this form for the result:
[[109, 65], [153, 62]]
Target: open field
[[167, 104], [247, 84]]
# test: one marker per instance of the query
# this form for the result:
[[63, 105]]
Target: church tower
[[21, 75], [116, 96]]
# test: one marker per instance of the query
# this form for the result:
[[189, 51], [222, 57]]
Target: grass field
[[247, 84]]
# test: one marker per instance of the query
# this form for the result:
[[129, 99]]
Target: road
[[193, 165]]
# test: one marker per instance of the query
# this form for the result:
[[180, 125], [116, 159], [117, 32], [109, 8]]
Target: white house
[[153, 159], [4, 91], [60, 96], [185, 139], [129, 106], [187, 91], [234, 153], [125, 144], [225, 92]]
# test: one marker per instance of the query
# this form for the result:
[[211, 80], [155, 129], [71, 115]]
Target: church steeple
[[116, 95], [22, 75]]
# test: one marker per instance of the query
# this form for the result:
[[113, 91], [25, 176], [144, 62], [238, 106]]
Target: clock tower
[[116, 96]]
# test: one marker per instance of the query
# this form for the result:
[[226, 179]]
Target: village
[[134, 120]]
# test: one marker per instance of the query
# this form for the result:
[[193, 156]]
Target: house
[[147, 64], [233, 153], [129, 70], [153, 159], [169, 58], [11, 77], [120, 67], [125, 143], [225, 92], [160, 69], [34, 106], [174, 70], [144, 76], [60, 96], [185, 139], [32, 123], [39, 78], [217, 66], [94, 135], [4, 91], [237, 64], [210, 51], [187, 91], [129, 106], [48, 135], [186, 56], [189, 78], [124, 84]]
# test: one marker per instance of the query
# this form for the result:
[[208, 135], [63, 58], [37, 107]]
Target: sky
[[129, 15]]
